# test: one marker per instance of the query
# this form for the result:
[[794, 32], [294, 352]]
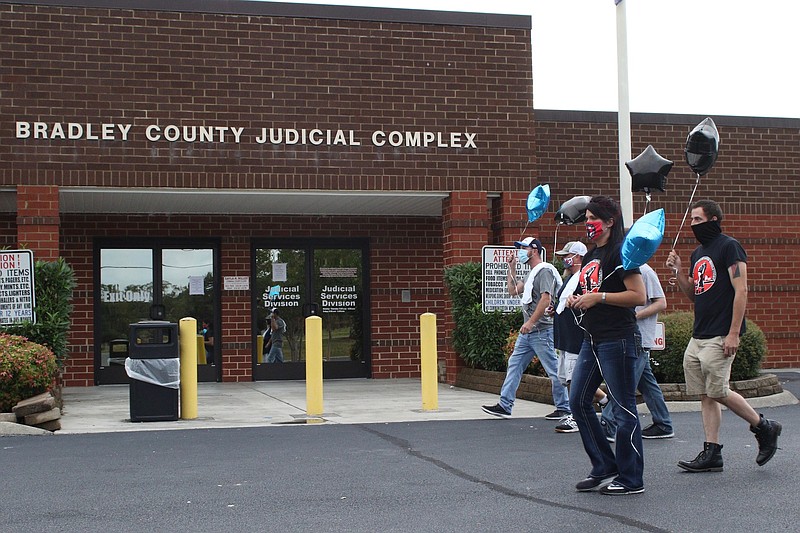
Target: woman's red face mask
[[594, 229]]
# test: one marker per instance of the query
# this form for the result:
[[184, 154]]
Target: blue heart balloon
[[538, 200], [642, 240]]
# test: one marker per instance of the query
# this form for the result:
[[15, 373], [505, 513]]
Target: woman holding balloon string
[[604, 300]]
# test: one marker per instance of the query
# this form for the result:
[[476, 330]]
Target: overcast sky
[[705, 57]]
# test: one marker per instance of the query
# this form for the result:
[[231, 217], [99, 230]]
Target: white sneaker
[[567, 425]]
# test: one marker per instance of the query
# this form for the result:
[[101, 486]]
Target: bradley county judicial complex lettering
[[222, 134]]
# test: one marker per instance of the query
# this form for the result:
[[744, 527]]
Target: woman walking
[[604, 301]]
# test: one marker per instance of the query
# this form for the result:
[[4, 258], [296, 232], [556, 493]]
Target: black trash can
[[153, 367]]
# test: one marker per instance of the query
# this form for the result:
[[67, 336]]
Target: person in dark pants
[[278, 328], [567, 334], [717, 284], [605, 298], [646, 319]]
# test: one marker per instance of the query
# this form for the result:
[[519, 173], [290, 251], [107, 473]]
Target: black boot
[[767, 433], [709, 460]]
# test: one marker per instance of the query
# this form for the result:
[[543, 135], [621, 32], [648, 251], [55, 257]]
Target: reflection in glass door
[[126, 296], [166, 282], [313, 279], [187, 290], [338, 288]]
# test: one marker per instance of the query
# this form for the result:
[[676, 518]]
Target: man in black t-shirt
[[718, 288]]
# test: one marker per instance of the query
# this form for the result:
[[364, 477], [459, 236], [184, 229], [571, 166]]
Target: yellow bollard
[[428, 363], [188, 337], [313, 366]]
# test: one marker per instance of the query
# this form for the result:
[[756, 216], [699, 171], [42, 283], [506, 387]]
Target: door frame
[[117, 375], [330, 369]]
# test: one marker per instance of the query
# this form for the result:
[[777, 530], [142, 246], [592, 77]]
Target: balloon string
[[555, 244], [647, 202], [688, 207], [522, 236], [674, 279]]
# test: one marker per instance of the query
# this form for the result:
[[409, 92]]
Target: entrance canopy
[[230, 201]]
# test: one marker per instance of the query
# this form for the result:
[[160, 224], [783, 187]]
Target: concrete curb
[[8, 429]]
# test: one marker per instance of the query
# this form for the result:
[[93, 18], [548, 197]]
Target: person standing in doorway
[[266, 335], [278, 328], [208, 341], [717, 284], [536, 334]]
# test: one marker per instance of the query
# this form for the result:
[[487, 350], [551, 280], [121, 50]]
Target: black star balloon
[[649, 171], [702, 146], [573, 210]]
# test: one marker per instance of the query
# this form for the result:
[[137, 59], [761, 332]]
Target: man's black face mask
[[705, 232]]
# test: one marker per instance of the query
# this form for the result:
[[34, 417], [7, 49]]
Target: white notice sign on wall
[[236, 283]]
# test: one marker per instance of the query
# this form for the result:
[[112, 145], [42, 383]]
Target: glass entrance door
[[311, 280], [139, 281]]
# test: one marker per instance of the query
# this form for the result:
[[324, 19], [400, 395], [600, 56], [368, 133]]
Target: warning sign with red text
[[495, 279], [17, 299]]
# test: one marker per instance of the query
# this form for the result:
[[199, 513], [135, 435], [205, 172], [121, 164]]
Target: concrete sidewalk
[[276, 403], [283, 403]]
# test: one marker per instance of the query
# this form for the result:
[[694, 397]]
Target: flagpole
[[624, 115]]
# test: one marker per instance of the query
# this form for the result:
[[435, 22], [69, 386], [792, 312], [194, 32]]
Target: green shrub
[[55, 282], [668, 363], [478, 337], [26, 369]]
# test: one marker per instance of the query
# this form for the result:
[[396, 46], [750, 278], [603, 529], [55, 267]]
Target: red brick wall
[[128, 66], [8, 231], [405, 254], [754, 179], [405, 73], [38, 220]]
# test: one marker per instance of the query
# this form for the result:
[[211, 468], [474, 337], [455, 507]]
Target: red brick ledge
[[538, 389]]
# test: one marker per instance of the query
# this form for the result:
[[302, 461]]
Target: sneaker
[[615, 489], [567, 425], [558, 414], [496, 410], [767, 433], [594, 483], [654, 431], [598, 407]]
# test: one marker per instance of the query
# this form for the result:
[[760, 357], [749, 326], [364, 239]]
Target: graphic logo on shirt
[[704, 274], [591, 276]]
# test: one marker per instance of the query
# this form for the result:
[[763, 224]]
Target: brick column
[[509, 218], [236, 347], [38, 220], [466, 229]]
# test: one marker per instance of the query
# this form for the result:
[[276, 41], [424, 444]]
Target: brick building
[[218, 159]]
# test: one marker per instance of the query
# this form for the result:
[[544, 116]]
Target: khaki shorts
[[706, 368]]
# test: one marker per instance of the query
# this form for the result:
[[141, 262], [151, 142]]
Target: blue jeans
[[614, 361], [537, 343], [275, 354], [653, 398]]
